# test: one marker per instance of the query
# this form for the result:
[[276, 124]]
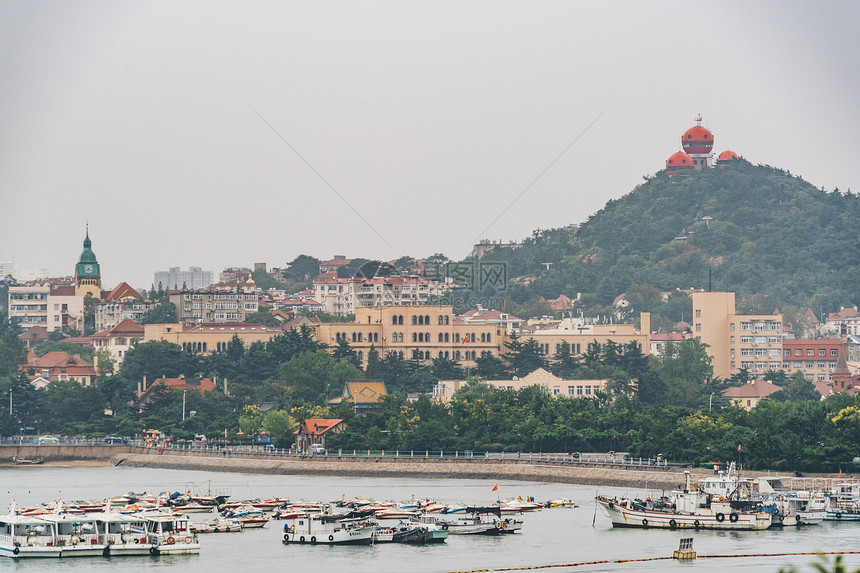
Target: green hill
[[771, 235]]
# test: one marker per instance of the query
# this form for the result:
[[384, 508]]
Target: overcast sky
[[221, 134]]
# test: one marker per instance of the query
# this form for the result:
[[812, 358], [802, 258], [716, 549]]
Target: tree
[[13, 352], [280, 426], [85, 352], [263, 317], [523, 357], [156, 359], [491, 367], [105, 362], [796, 388], [251, 420], [685, 368], [343, 351], [313, 375], [265, 281], [302, 269], [162, 313], [373, 371]]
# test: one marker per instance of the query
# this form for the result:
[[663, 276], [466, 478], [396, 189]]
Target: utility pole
[[183, 404]]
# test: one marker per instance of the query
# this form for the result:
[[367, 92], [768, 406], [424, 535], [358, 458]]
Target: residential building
[[119, 339], [235, 275], [424, 332], [34, 335], [507, 322], [174, 278], [121, 303], [47, 303], [344, 296], [750, 394], [330, 267], [848, 317], [222, 303], [659, 340], [313, 431], [736, 341], [815, 358], [363, 395], [58, 367], [445, 389]]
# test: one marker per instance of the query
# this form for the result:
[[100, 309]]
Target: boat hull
[[341, 537], [632, 517]]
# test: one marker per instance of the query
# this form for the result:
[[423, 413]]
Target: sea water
[[557, 536]]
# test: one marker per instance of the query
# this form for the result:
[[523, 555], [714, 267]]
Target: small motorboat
[[217, 526]]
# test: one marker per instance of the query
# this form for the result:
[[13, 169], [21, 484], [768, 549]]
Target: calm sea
[[549, 537]]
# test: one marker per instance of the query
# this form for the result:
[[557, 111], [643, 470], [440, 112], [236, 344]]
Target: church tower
[[88, 279]]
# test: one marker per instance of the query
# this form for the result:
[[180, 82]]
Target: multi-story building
[[736, 341], [122, 303], [345, 296], [815, 358], [227, 303], [210, 337], [425, 332], [848, 317], [46, 303], [118, 340], [194, 278], [579, 335], [58, 367], [504, 320]]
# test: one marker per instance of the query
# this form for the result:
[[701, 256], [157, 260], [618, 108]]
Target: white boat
[[433, 530], [477, 521], [397, 533], [170, 534], [253, 522], [123, 534], [684, 509], [77, 535], [843, 502], [354, 528], [27, 536], [217, 526]]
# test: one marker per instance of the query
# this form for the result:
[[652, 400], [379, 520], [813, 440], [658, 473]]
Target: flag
[[739, 447], [496, 487]]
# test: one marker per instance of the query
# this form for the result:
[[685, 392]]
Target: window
[[698, 313], [731, 339], [746, 326], [786, 352], [798, 352], [733, 352], [556, 390], [698, 327], [833, 352], [732, 327], [746, 339], [414, 319], [588, 390], [821, 352]]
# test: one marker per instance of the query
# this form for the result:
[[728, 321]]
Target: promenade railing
[[225, 450]]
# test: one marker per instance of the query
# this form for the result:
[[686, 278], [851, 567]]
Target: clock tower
[[88, 280]]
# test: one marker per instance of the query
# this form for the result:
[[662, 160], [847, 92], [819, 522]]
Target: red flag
[[739, 447], [496, 487]]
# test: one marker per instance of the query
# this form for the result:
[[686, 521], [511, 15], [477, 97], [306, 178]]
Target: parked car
[[318, 449], [115, 440], [48, 440]]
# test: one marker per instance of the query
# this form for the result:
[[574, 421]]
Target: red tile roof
[[754, 389], [63, 291], [121, 291]]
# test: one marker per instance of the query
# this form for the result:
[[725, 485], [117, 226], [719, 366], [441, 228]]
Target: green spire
[[88, 265]]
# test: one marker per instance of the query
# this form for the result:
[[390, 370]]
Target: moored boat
[[354, 528]]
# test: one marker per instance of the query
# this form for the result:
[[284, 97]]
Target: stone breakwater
[[405, 467]]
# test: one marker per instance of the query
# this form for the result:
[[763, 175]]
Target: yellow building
[[580, 335], [751, 341], [88, 280], [428, 332], [208, 338]]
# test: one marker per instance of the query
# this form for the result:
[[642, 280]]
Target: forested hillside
[[762, 231]]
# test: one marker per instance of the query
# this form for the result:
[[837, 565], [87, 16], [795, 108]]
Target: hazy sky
[[152, 119]]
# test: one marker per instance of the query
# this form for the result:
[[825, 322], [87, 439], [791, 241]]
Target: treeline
[[667, 405]]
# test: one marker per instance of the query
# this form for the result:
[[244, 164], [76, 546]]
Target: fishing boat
[[217, 526], [353, 528], [397, 533], [432, 529], [477, 521], [28, 461], [843, 502], [694, 509]]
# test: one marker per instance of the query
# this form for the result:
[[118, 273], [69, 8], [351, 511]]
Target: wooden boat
[[28, 461]]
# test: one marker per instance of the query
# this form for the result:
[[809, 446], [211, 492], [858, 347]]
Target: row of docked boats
[[109, 534], [364, 527], [726, 501]]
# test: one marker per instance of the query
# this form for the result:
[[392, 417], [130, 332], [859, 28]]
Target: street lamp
[[710, 401]]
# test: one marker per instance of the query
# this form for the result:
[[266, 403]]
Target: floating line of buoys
[[643, 559]]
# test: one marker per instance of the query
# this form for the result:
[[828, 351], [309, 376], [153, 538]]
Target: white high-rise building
[[174, 278]]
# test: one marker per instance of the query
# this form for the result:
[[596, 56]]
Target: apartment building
[[210, 337], [227, 303], [736, 341], [579, 334], [46, 304], [121, 303], [815, 358], [344, 296], [175, 278]]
